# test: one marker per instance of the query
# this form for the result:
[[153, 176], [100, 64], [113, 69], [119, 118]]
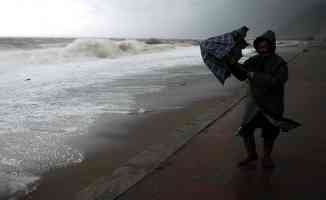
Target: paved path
[[206, 167]]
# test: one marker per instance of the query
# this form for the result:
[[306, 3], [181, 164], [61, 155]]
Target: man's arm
[[279, 77], [238, 70]]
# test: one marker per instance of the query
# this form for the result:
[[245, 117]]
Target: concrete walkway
[[206, 167]]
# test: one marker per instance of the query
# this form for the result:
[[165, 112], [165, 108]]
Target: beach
[[116, 139], [206, 167], [82, 118], [55, 92]]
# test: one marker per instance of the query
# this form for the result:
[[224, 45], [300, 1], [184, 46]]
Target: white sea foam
[[288, 43], [44, 101], [10, 184]]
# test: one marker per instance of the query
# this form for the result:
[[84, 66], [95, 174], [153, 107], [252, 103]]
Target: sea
[[52, 89]]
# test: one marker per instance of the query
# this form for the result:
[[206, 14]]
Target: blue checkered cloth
[[213, 52]]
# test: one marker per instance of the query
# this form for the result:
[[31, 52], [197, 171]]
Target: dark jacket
[[266, 88]]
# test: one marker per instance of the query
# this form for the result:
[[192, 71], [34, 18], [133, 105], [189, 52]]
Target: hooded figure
[[267, 74], [266, 86]]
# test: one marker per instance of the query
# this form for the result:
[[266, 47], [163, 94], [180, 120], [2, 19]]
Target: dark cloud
[[145, 18], [198, 18]]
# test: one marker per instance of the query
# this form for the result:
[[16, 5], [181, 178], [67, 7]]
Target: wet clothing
[[269, 131], [265, 102], [266, 87]]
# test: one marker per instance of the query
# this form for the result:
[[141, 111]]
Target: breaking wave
[[106, 48], [81, 50]]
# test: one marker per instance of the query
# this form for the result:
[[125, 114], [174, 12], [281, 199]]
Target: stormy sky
[[143, 18]]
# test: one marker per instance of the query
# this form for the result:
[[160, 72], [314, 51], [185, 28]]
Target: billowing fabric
[[269, 131], [266, 87], [218, 46], [215, 49]]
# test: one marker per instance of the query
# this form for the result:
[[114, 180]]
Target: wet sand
[[115, 139]]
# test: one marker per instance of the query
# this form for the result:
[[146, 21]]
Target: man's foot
[[248, 160], [267, 163]]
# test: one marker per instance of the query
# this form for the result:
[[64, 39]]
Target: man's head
[[266, 43], [264, 47]]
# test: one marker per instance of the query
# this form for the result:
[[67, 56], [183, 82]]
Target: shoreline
[[102, 162], [116, 138], [129, 136], [207, 168]]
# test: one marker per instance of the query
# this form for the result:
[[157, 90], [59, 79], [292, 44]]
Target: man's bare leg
[[250, 146], [267, 161]]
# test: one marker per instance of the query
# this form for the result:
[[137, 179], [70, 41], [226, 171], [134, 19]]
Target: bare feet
[[248, 160], [267, 163]]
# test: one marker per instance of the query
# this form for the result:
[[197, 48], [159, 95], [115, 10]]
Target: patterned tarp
[[213, 50]]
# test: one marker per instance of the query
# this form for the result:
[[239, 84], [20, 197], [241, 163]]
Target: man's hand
[[231, 60]]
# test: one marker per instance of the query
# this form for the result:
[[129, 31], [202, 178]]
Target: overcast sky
[[143, 18]]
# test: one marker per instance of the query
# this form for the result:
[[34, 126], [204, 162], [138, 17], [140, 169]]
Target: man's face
[[264, 48]]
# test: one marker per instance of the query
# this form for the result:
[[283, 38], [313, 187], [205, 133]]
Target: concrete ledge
[[145, 163]]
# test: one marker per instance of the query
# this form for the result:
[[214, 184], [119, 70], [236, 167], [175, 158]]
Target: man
[[267, 74]]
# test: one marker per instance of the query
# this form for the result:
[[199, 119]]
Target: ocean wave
[[104, 48], [81, 50]]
